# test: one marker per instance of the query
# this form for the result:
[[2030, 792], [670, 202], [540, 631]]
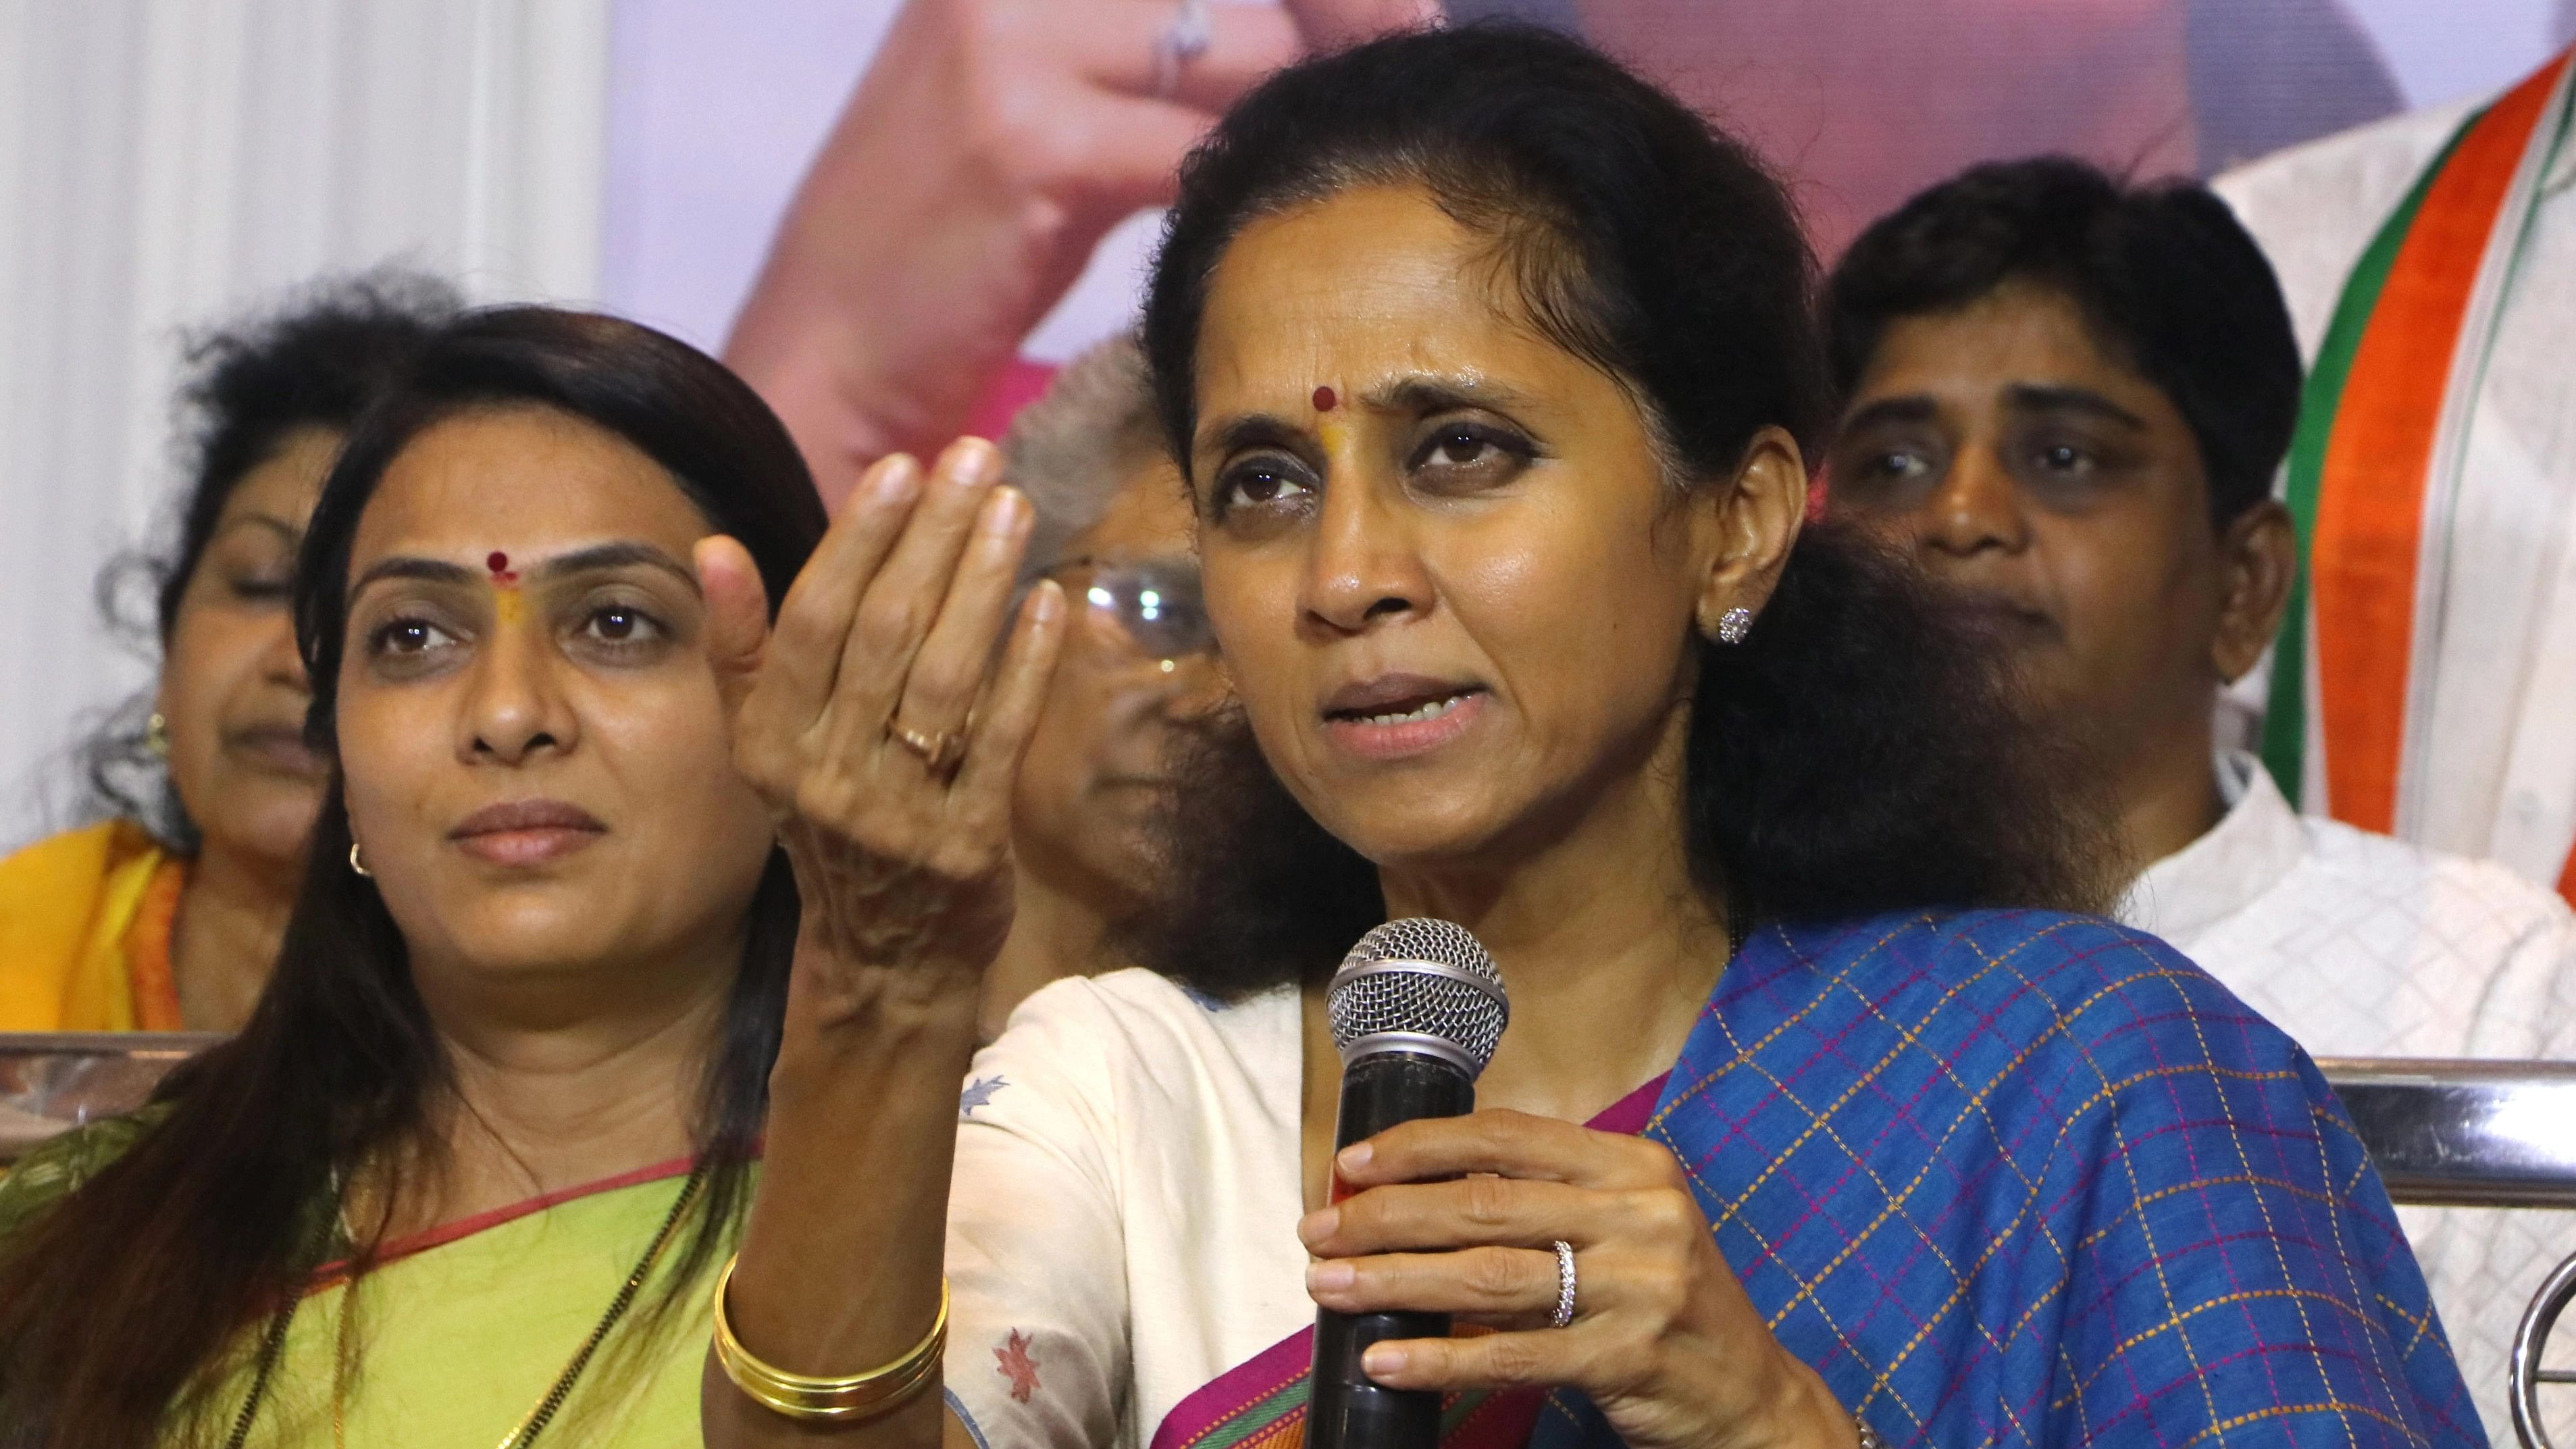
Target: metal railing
[[51, 1082], [2497, 1134]]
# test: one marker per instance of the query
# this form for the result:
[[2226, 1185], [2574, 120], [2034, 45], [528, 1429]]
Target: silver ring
[[1184, 40], [1564, 1285]]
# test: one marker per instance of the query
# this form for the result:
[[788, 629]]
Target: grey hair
[[1072, 449]]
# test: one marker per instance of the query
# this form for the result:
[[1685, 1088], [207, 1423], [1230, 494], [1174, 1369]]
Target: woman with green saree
[[465, 1176]]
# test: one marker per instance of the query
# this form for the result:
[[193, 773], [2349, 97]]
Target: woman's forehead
[[1384, 299], [1357, 288], [523, 480]]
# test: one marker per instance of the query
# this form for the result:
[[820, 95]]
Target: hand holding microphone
[[1444, 1213], [1417, 1009]]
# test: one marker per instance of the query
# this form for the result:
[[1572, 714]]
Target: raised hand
[[883, 731], [986, 151], [1459, 1215]]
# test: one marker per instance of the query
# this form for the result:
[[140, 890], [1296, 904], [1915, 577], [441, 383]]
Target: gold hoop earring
[[156, 734], [358, 865]]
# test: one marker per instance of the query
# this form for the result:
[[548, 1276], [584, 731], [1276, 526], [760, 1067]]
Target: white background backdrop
[[166, 163]]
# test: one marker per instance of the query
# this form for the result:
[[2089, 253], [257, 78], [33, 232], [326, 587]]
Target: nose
[[513, 708], [279, 663], [1974, 510], [1363, 567]]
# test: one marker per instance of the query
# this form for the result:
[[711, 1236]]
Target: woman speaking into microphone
[[1490, 371]]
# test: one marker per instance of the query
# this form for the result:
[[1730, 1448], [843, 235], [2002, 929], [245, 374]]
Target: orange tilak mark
[[505, 587], [2370, 505]]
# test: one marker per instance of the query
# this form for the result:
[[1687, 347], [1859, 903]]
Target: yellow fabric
[[67, 906], [456, 1344]]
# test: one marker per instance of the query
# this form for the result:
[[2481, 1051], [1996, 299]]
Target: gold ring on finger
[[939, 752]]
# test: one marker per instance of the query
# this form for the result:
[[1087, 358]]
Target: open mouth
[[1428, 709], [1398, 715]]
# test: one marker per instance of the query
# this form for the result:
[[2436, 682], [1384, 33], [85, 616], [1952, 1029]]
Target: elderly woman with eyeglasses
[[1112, 526]]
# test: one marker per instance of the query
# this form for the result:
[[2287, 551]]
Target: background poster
[[716, 109]]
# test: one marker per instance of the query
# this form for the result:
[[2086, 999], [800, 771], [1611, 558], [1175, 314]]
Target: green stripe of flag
[[2285, 721]]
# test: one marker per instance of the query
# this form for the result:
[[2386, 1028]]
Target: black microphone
[[1416, 1009]]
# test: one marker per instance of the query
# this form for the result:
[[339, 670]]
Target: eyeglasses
[[1156, 604]]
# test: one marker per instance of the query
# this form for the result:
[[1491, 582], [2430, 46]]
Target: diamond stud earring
[[1734, 624]]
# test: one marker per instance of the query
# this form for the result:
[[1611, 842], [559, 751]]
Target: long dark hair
[[135, 1302], [314, 361], [1856, 752]]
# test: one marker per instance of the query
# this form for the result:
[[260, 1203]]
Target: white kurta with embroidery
[[2490, 763], [2359, 945], [1099, 1273]]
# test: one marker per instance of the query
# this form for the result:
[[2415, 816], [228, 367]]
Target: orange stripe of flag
[[2370, 507]]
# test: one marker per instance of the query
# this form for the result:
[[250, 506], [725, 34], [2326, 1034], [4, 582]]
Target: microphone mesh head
[[1419, 984]]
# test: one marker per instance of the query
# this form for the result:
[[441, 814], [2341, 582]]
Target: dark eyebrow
[[1253, 430], [436, 571], [580, 560], [603, 556], [271, 522], [2034, 397], [1910, 409], [1418, 395], [1432, 395]]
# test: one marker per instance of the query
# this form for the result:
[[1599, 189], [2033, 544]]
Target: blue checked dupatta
[[2017, 1178]]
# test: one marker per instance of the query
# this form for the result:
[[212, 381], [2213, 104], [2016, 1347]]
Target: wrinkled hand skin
[[1460, 1215], [882, 904], [904, 872]]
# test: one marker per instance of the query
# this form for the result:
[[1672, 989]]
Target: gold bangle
[[830, 1400]]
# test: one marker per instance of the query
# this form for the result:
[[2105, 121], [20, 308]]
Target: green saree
[[457, 1333]]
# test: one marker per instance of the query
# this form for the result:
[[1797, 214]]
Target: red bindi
[[1324, 399], [499, 563]]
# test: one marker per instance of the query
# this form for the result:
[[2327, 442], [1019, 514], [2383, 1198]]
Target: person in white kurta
[[2488, 766], [1099, 1276], [2360, 945], [2073, 438]]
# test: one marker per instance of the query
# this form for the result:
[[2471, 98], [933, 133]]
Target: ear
[[2258, 557], [1742, 529]]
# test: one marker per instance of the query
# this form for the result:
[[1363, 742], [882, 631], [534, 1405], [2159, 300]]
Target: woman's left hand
[[1663, 1339]]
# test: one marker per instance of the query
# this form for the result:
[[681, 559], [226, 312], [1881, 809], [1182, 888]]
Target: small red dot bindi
[[1324, 400], [497, 561]]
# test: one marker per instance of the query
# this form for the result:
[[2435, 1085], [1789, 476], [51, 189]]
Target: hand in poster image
[[988, 147]]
